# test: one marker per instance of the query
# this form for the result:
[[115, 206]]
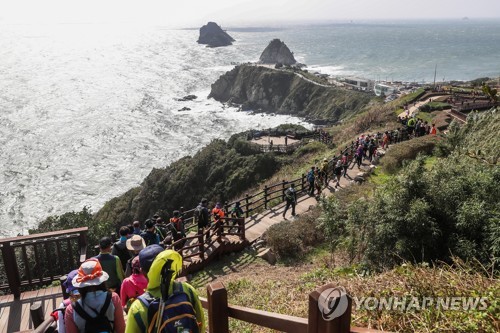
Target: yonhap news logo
[[333, 302]]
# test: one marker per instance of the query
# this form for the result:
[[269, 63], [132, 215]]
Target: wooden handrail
[[219, 312], [33, 270]]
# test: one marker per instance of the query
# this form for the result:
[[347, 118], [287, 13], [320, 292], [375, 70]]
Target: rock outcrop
[[286, 92], [212, 35], [277, 53]]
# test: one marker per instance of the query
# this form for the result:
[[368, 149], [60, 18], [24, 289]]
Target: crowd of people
[[100, 293], [136, 276]]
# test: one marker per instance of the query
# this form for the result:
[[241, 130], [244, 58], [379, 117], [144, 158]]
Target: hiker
[[324, 171], [310, 179], [338, 172], [74, 295], [317, 181], [201, 216], [165, 295], [134, 244], [433, 130], [119, 248], [97, 310], [345, 163], [291, 199], [236, 213], [359, 156], [134, 285], [176, 227], [137, 228], [150, 235], [111, 264], [218, 215]]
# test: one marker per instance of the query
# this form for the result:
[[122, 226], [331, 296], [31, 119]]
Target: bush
[[407, 150], [291, 239]]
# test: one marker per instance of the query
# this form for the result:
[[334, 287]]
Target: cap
[[68, 284], [149, 223], [147, 256], [105, 242]]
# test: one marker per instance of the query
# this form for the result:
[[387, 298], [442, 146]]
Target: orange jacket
[[217, 213]]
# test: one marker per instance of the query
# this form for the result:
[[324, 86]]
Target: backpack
[[289, 193], [310, 176], [99, 323], [198, 215], [178, 313]]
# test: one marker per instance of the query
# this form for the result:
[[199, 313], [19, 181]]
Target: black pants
[[288, 204], [311, 188]]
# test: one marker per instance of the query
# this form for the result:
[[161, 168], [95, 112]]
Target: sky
[[194, 13]]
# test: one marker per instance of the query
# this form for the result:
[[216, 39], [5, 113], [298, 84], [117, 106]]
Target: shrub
[[407, 150], [291, 239]]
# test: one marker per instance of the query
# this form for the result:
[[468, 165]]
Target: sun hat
[[135, 243], [148, 254], [68, 284], [90, 273]]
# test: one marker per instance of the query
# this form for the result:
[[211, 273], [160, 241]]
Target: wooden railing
[[197, 245], [219, 312], [38, 259]]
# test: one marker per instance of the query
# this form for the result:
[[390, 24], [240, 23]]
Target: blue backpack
[[178, 314], [310, 176]]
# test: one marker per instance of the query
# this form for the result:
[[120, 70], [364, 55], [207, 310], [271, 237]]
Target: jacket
[[138, 312]]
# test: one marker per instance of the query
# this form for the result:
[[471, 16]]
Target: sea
[[88, 110]]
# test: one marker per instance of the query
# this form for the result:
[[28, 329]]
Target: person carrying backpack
[[291, 199], [167, 306], [310, 179], [201, 216], [119, 248], [98, 310], [176, 227]]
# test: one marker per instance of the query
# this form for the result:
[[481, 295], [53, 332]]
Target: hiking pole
[[166, 276]]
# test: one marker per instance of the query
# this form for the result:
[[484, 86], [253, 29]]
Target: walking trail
[[258, 224]]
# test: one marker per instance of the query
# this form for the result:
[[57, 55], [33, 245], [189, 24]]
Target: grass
[[379, 177], [285, 288], [411, 96]]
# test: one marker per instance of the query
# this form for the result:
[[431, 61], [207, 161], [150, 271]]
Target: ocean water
[[86, 111]]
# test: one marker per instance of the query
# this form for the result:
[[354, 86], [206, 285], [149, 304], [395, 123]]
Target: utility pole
[[435, 71]]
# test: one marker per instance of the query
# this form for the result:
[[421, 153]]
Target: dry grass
[[284, 289]]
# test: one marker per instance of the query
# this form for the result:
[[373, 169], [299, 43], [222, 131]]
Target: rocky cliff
[[286, 92], [212, 35], [277, 52]]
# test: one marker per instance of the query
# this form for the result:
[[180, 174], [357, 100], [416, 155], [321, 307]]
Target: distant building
[[384, 89], [358, 84]]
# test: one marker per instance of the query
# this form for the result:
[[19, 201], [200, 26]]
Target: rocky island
[[259, 88], [277, 53], [212, 35]]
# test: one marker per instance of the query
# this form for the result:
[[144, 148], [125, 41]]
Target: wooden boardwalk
[[15, 314], [257, 225]]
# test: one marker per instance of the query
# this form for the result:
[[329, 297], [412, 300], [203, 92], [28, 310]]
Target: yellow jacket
[[137, 317]]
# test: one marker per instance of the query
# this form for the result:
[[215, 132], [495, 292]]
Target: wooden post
[[36, 311], [11, 270], [218, 318], [318, 321], [241, 223], [265, 197], [201, 244], [82, 246], [247, 205], [303, 182], [283, 189]]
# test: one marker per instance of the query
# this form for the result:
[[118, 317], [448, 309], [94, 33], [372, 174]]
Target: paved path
[[414, 108], [258, 224]]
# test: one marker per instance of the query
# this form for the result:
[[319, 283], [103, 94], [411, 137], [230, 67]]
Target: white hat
[[90, 273]]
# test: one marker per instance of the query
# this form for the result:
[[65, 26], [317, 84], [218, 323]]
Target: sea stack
[[212, 35], [277, 53]]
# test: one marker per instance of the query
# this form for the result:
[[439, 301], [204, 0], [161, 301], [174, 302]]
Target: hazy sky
[[193, 13]]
